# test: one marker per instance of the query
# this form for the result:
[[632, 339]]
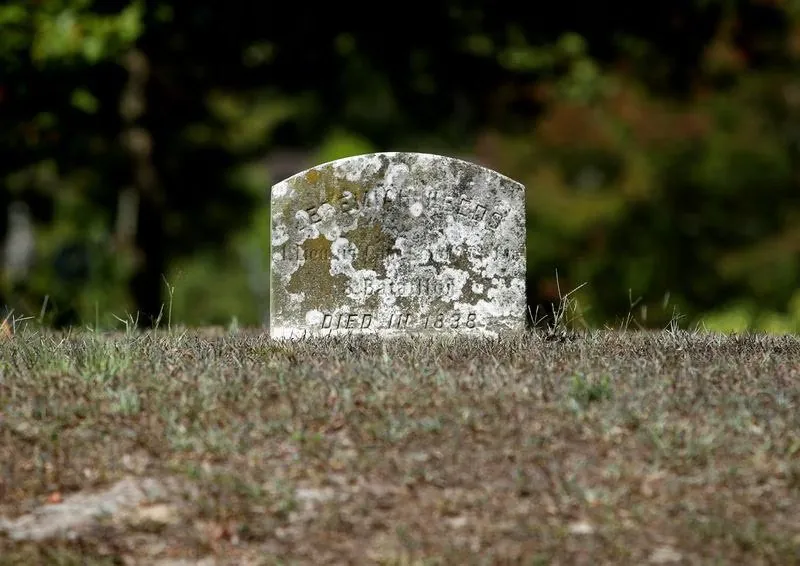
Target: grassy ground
[[619, 448]]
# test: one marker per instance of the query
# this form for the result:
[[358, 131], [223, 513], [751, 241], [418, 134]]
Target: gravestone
[[397, 243]]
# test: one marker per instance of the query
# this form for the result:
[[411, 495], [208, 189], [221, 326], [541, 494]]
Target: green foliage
[[660, 164], [747, 316], [656, 197], [56, 31], [218, 282], [341, 144], [67, 29]]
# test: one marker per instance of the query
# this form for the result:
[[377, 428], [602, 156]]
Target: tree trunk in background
[[146, 283], [140, 217]]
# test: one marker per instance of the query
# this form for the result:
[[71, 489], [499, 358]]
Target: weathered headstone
[[397, 243]]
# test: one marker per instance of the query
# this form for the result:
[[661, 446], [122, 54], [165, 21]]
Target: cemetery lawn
[[189, 447]]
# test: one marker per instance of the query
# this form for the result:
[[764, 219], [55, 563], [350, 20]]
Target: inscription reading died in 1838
[[397, 243]]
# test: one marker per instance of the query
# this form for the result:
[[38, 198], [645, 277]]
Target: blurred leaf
[[84, 100], [573, 44], [12, 14], [69, 31], [479, 44], [345, 44], [340, 144], [129, 22], [93, 49], [527, 59], [259, 53], [733, 319], [164, 13], [246, 121]]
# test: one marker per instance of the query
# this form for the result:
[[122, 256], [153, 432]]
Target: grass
[[600, 447]]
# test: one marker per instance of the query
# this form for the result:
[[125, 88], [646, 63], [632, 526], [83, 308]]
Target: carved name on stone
[[397, 243]]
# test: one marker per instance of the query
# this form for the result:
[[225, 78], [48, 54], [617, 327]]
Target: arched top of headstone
[[375, 164], [397, 242]]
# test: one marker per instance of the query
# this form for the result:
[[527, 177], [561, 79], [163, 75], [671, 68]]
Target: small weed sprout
[[171, 293], [564, 317], [586, 391], [127, 401]]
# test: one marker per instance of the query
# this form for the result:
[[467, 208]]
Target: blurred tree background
[[659, 143]]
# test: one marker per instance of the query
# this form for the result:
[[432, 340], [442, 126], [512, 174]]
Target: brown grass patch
[[607, 447]]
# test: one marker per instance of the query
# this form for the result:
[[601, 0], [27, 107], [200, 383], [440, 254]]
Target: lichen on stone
[[397, 243]]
